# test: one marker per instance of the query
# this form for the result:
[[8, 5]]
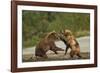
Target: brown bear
[[71, 43], [47, 43]]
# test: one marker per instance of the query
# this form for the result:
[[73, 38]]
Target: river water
[[84, 43]]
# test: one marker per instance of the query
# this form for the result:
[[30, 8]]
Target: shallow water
[[84, 43]]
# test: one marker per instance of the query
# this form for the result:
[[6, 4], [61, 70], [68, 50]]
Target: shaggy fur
[[71, 43], [47, 44]]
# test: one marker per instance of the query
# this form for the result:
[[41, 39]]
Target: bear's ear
[[67, 32], [53, 32]]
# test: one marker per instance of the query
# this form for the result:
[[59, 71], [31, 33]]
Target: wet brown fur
[[46, 44], [71, 43]]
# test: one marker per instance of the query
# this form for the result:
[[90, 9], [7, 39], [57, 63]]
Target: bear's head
[[52, 35], [67, 32]]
